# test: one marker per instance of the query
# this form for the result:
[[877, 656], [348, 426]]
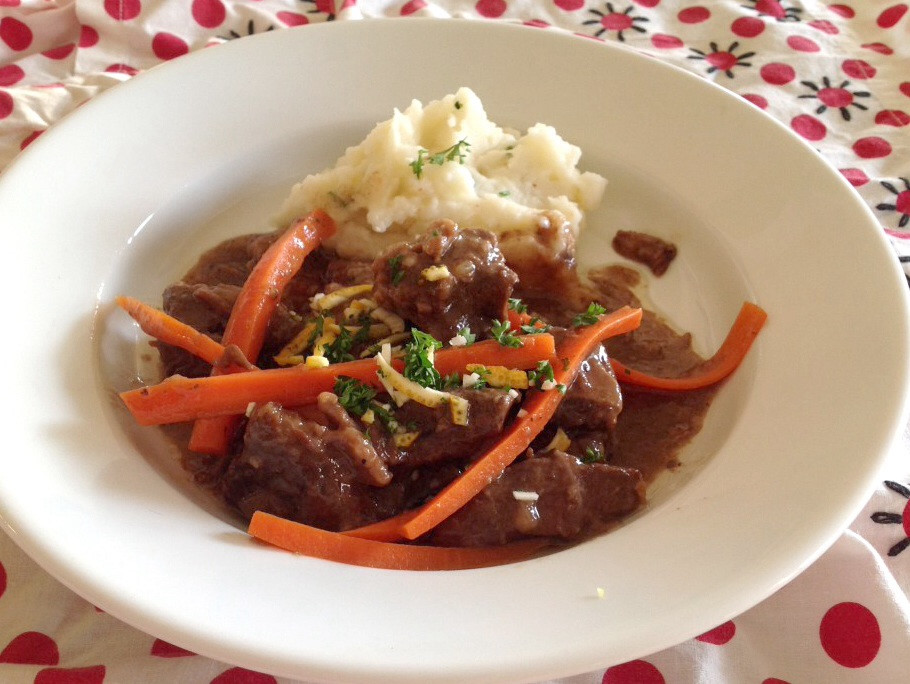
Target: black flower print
[[902, 518], [775, 9], [326, 7], [901, 201], [250, 30], [838, 97], [723, 60], [613, 20]]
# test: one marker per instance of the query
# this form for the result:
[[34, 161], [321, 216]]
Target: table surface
[[838, 74]]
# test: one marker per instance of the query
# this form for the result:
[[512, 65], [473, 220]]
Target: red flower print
[[326, 7], [835, 96], [775, 9], [723, 60], [613, 20], [901, 206]]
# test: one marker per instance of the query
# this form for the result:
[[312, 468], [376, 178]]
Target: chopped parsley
[[517, 306], [534, 327], [318, 329], [482, 381], [543, 378], [451, 381], [590, 316], [396, 273], [339, 350], [469, 337], [357, 398], [456, 152], [354, 396], [418, 359], [385, 417], [339, 200], [592, 455], [502, 333]]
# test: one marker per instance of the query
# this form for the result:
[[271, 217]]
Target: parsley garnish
[[451, 381], [395, 271], [592, 455], [357, 398], [456, 152], [338, 200], [418, 359], [535, 326], [483, 375], [354, 396], [317, 331], [544, 374], [340, 348], [590, 316], [385, 417], [518, 306], [469, 337], [502, 333]]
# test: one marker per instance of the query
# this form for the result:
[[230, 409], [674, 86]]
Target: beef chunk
[[593, 402], [441, 440], [204, 307], [573, 500], [646, 249], [474, 293], [207, 309], [231, 261], [319, 473], [544, 258], [346, 272]]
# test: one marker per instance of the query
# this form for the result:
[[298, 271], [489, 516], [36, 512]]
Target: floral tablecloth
[[837, 73]]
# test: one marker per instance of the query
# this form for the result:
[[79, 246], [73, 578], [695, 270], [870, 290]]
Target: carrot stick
[[539, 406], [169, 330], [255, 304], [388, 530], [745, 329], [178, 399], [518, 319], [316, 543]]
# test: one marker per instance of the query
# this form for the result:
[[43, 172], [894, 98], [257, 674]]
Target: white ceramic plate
[[121, 196]]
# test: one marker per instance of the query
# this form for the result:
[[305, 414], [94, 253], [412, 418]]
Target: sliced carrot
[[742, 334], [167, 329], [388, 530], [342, 548], [539, 407], [178, 399], [258, 298], [518, 319], [533, 349]]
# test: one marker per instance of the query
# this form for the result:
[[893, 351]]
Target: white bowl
[[122, 196]]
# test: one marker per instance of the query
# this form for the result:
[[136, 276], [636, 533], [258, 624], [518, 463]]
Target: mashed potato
[[447, 160]]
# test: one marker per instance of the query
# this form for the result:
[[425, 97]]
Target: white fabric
[[837, 73]]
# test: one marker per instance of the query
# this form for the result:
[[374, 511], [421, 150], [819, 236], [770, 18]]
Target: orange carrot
[[388, 530], [169, 330], [745, 329], [539, 407], [517, 319], [255, 304], [342, 548], [178, 399]]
